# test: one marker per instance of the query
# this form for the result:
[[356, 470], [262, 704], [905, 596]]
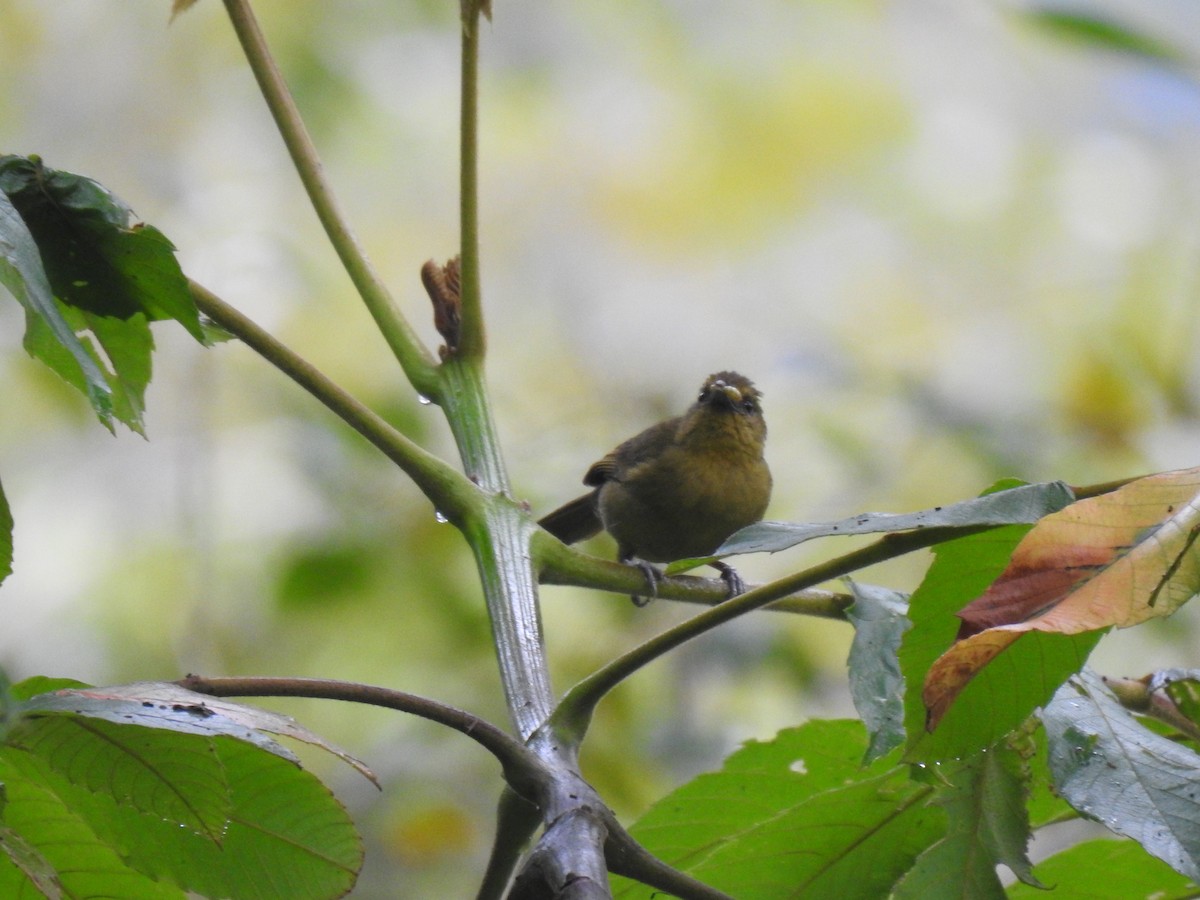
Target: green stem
[[418, 364], [567, 565], [501, 538], [474, 341], [452, 494]]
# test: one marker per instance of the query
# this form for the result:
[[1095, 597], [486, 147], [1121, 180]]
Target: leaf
[[1117, 559], [21, 271], [28, 865], [167, 706], [90, 281], [984, 800], [1112, 769], [57, 843], [794, 817], [1018, 505], [876, 683], [95, 259], [285, 836], [6, 537], [1103, 33], [1002, 697], [1181, 689], [1106, 868], [150, 786]]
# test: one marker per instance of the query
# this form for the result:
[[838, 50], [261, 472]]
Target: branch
[[563, 564], [418, 364], [501, 538], [522, 768], [453, 495], [575, 710]]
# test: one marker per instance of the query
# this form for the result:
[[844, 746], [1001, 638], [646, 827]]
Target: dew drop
[[423, 400], [440, 516]]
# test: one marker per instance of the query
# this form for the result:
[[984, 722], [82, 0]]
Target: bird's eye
[[748, 405]]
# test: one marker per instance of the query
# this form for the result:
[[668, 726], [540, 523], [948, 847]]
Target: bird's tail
[[574, 521]]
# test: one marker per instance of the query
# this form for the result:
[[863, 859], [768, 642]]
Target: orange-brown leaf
[[1117, 559]]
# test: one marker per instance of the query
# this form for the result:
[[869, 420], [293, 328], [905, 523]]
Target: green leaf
[[22, 861], [164, 773], [1102, 33], [1106, 868], [1005, 693], [21, 271], [90, 282], [984, 799], [95, 259], [1014, 506], [794, 817], [56, 843], [285, 835], [1111, 768], [42, 684], [6, 537], [155, 784], [879, 617]]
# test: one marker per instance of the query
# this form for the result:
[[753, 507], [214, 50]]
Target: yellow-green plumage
[[681, 487]]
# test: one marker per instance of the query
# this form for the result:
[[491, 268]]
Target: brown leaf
[[1117, 559]]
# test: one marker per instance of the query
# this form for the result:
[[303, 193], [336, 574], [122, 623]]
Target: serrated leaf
[[1112, 769], [21, 271], [1117, 559], [286, 835], [794, 817], [164, 773], [1003, 696], [94, 257], [1018, 505], [40, 815], [879, 617], [984, 800], [177, 786], [1106, 868]]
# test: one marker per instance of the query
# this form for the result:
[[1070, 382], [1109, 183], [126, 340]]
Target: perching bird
[[681, 487]]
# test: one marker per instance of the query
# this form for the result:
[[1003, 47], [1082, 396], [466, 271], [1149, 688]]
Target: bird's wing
[[633, 452]]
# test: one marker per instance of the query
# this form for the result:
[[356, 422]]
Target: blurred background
[[950, 243]]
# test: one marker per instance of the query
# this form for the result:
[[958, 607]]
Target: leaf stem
[[452, 494], [512, 754], [575, 710], [474, 342], [419, 365]]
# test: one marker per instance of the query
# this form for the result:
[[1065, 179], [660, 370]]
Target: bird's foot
[[653, 577], [731, 578]]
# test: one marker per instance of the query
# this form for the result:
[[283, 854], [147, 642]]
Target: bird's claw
[[653, 577], [731, 578]]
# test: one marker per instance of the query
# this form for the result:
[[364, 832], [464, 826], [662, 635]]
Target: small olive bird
[[681, 487]]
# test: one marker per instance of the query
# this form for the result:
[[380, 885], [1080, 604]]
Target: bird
[[678, 489]]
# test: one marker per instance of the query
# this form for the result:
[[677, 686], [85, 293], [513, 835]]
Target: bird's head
[[730, 391]]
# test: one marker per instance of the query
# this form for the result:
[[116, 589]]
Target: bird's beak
[[732, 394]]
